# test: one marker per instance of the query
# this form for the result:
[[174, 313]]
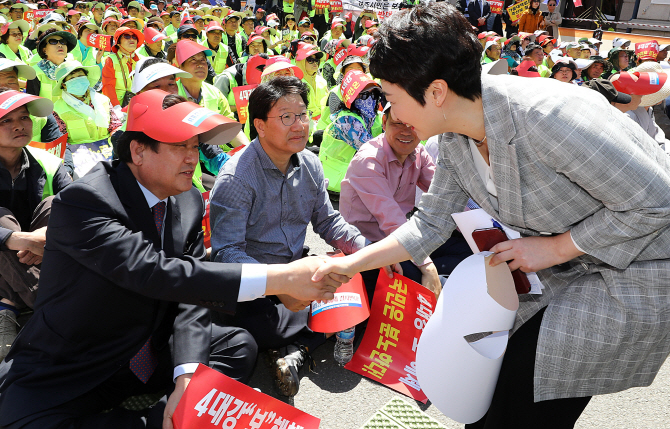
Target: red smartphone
[[485, 239]]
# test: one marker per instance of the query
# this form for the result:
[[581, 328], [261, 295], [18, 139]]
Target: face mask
[[367, 106], [77, 86]]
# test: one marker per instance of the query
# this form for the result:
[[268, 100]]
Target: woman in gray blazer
[[590, 195]]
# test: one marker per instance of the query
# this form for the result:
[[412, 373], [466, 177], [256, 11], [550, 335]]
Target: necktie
[[144, 363]]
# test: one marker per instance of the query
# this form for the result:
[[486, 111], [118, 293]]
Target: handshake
[[307, 279]]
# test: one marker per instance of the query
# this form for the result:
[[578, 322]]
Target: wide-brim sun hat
[[146, 114], [153, 73], [497, 67], [664, 91], [564, 62], [93, 73], [37, 106], [21, 24], [23, 70], [70, 39]]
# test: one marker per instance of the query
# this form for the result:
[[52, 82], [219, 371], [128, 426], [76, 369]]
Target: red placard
[[321, 4], [647, 50], [349, 308], [336, 6], [215, 400], [387, 353], [242, 94], [56, 147], [36, 14], [102, 42], [206, 227], [496, 6]]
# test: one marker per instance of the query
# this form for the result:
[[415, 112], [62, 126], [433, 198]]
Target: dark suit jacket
[[474, 13], [106, 287]]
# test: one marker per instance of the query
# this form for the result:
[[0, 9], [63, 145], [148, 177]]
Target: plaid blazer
[[563, 159]]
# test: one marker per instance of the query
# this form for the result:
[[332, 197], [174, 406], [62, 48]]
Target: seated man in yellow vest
[[214, 33], [28, 180], [192, 58]]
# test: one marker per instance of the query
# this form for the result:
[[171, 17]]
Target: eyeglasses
[[367, 94], [289, 119], [55, 42], [189, 36], [16, 34], [129, 36], [312, 60]]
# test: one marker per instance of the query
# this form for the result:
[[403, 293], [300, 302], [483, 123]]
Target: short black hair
[[5, 37], [150, 62], [266, 95], [428, 42], [123, 146]]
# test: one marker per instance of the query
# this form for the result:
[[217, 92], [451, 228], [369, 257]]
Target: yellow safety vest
[[38, 124], [48, 88], [335, 154], [238, 43], [315, 95], [211, 99], [49, 164], [89, 60], [24, 53], [218, 58], [81, 128]]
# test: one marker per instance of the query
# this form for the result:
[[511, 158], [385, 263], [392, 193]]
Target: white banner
[[377, 6]]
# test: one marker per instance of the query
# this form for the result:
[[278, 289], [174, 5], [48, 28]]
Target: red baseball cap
[[522, 69], [545, 39], [151, 35], [354, 82], [639, 83], [336, 22], [187, 48], [307, 51], [146, 114], [37, 106]]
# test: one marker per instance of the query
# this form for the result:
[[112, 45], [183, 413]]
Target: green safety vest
[[171, 32], [48, 88], [211, 99], [143, 52], [80, 128], [25, 54], [324, 121], [315, 95], [232, 83], [218, 58], [89, 60], [335, 154], [38, 124], [238, 43], [120, 82], [289, 7], [49, 164]]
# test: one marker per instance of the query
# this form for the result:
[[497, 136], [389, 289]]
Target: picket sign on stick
[[516, 10], [102, 42], [496, 6], [242, 94], [387, 354], [215, 400]]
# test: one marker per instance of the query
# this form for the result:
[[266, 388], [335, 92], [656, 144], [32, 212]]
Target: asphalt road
[[345, 400]]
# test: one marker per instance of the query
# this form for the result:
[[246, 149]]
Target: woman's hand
[[531, 254], [430, 279]]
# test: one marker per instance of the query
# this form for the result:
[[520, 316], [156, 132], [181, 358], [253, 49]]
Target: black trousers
[[513, 405], [233, 353]]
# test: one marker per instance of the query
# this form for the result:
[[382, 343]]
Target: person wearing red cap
[[336, 32], [120, 63], [29, 178], [308, 60], [109, 26], [111, 291], [153, 44], [219, 59]]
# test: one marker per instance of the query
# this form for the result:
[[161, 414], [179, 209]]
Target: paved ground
[[345, 400]]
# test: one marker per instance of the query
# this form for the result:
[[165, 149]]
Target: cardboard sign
[[36, 14], [349, 308], [496, 6], [86, 155], [336, 6], [387, 353], [56, 147], [206, 227], [377, 6], [516, 10], [215, 400], [242, 94], [102, 42]]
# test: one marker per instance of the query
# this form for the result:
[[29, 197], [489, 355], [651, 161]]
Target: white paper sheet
[[457, 376], [478, 219]]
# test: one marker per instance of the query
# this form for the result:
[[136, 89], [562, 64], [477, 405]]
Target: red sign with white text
[[336, 6], [349, 308], [387, 354], [102, 42], [56, 147], [496, 6], [36, 14], [215, 400], [242, 94], [206, 227]]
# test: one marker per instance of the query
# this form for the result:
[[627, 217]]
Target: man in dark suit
[[124, 246], [478, 13]]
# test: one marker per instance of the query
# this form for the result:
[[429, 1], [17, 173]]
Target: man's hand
[[431, 279], [30, 241], [481, 21], [295, 279], [29, 258], [293, 304], [532, 254], [181, 383]]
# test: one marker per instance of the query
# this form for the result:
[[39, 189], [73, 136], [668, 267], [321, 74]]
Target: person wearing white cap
[[662, 52], [29, 178], [491, 52], [620, 42]]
